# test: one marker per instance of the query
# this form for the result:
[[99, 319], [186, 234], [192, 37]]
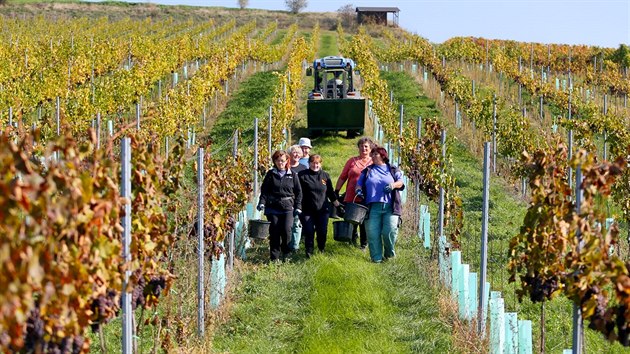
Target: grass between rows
[[251, 100], [336, 302]]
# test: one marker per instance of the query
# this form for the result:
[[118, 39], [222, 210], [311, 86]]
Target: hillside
[[117, 10]]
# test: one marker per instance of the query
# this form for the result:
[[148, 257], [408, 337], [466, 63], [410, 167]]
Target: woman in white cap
[[305, 144], [295, 154]]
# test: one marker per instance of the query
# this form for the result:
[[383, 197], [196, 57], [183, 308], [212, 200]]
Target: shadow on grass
[[258, 253]]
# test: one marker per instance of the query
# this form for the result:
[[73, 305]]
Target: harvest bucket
[[342, 231], [355, 213], [335, 212], [259, 229]]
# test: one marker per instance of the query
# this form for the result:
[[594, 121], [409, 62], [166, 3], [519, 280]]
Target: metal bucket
[[259, 229], [342, 231]]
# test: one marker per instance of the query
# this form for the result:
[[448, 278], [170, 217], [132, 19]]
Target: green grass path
[[337, 301]]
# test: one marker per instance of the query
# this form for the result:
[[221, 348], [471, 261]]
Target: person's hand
[[336, 203], [388, 188], [297, 212], [260, 207]]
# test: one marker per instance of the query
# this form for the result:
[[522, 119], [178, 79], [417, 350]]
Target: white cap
[[305, 142]]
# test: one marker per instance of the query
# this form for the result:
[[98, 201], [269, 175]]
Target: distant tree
[[241, 3], [621, 56], [346, 15], [295, 6]]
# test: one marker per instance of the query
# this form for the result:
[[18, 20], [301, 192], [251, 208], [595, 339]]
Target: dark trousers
[[361, 234], [279, 234], [312, 223]]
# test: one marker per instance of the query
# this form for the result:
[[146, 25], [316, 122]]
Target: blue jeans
[[382, 230], [296, 232]]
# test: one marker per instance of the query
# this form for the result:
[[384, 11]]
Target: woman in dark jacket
[[281, 198], [317, 188]]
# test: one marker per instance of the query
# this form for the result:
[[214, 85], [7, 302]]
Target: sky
[[604, 23]]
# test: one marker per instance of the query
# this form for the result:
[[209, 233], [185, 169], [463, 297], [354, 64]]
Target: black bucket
[[336, 212], [342, 231], [259, 229], [355, 213]]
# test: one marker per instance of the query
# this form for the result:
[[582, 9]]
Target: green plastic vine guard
[[525, 337], [497, 324], [456, 263]]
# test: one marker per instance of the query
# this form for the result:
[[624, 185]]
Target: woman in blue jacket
[[380, 185]]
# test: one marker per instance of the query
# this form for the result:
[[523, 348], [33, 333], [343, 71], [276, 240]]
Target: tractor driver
[[330, 85]]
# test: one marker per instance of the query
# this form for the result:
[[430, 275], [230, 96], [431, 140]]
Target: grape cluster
[[230, 223], [145, 293], [156, 285], [74, 345], [608, 319], [104, 307], [210, 235], [35, 340], [541, 288], [137, 295]]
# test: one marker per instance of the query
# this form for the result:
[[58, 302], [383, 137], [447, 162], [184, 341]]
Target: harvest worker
[[305, 144], [295, 154], [334, 85], [318, 190], [281, 199], [381, 184], [350, 173], [335, 80]]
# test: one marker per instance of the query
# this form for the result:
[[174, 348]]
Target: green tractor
[[335, 104]]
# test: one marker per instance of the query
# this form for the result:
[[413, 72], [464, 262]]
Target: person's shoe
[[377, 261], [363, 247], [308, 255]]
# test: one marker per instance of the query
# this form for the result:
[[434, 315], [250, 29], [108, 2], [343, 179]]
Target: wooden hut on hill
[[377, 15]]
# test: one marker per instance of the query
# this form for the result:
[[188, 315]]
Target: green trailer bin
[[336, 115]]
